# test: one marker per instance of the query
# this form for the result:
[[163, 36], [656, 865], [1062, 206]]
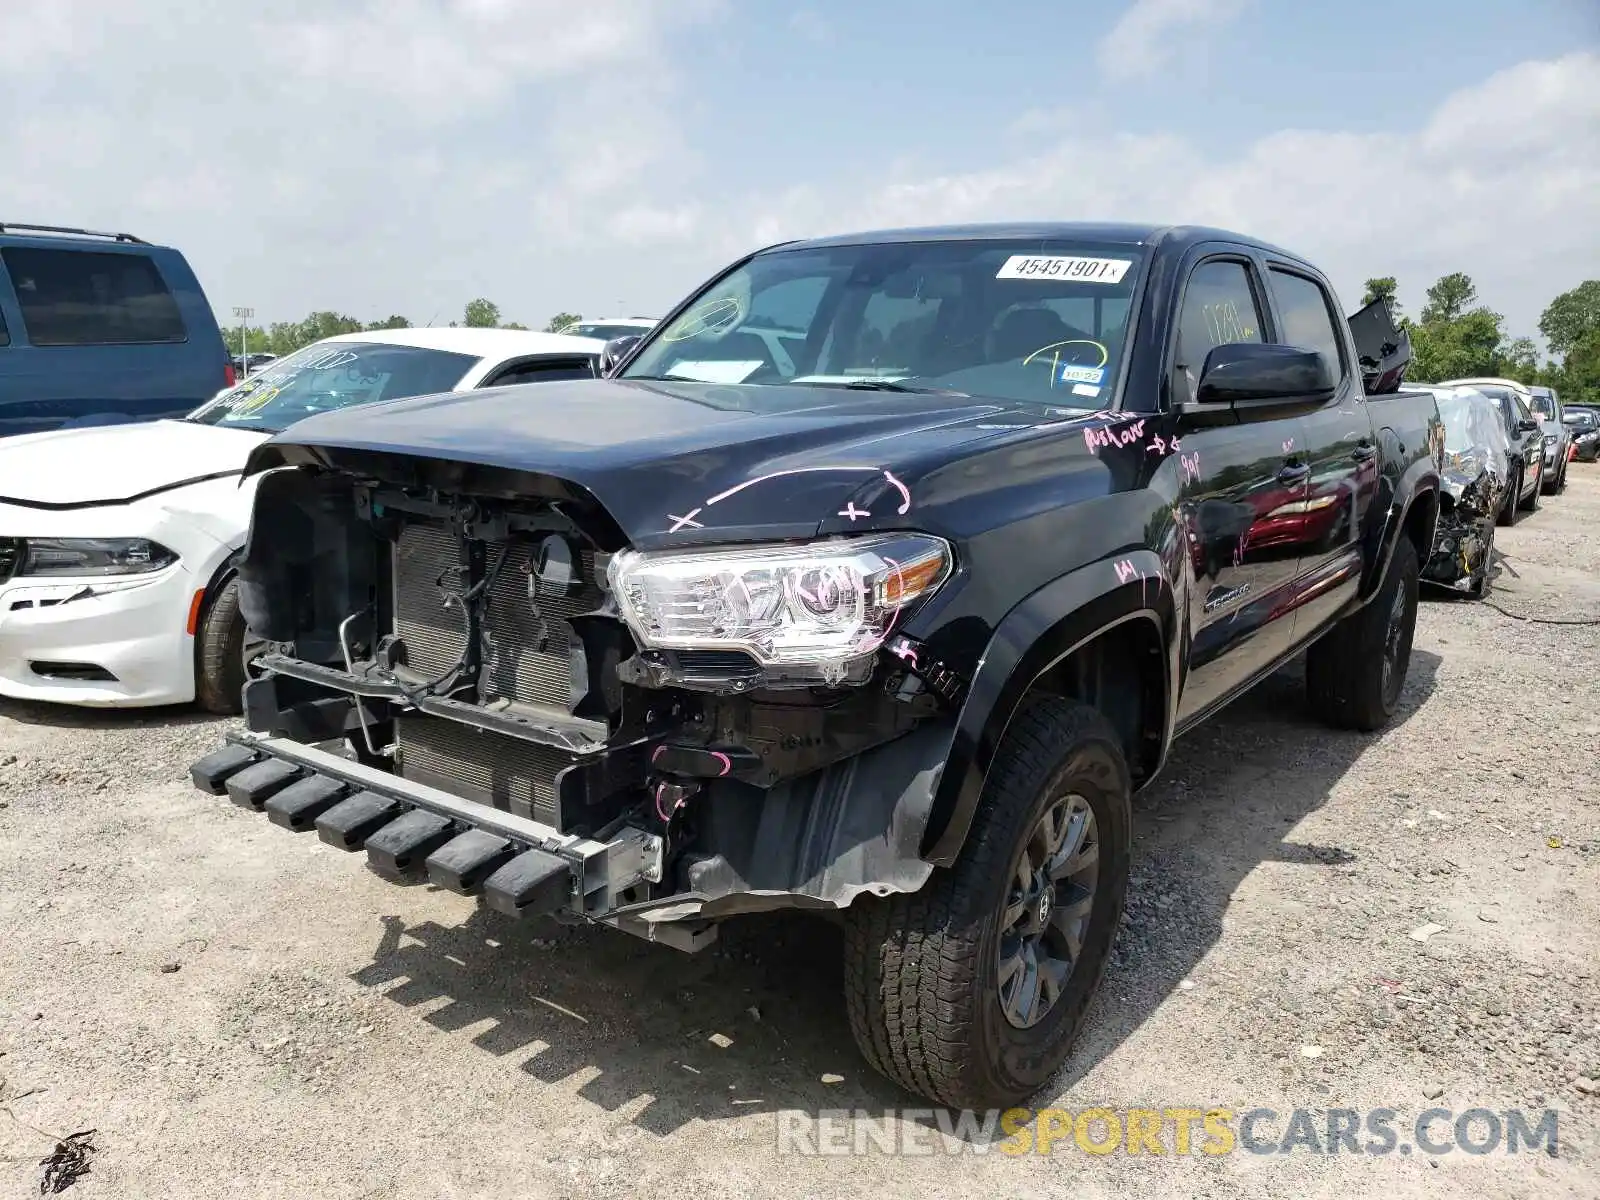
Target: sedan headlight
[[818, 606], [93, 556], [1550, 439]]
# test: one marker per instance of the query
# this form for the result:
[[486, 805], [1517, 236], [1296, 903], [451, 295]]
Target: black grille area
[[512, 775], [10, 557], [520, 669]]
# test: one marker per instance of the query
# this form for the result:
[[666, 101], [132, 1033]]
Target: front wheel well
[[1121, 673]]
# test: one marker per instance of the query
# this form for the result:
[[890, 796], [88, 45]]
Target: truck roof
[[1128, 233]]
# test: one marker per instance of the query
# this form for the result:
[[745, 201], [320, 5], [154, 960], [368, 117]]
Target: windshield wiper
[[882, 385]]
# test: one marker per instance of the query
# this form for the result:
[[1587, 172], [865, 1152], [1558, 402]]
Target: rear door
[[104, 336], [1241, 488], [1337, 447]]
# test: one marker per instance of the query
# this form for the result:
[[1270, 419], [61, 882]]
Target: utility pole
[[244, 314]]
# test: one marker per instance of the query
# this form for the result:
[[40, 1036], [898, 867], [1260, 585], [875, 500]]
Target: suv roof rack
[[15, 227]]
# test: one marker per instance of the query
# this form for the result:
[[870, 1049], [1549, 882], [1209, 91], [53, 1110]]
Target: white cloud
[[1142, 38], [1500, 181], [407, 157], [368, 155]]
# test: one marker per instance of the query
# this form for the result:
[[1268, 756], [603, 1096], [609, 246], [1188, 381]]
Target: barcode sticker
[[1064, 266]]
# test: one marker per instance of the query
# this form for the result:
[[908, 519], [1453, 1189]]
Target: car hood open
[[117, 464], [698, 461]]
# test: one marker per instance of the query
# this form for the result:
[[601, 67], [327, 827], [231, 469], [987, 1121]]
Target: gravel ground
[[241, 1013]]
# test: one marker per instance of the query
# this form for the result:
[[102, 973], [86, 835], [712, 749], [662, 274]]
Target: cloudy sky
[[403, 156]]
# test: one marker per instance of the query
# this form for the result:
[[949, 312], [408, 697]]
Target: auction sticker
[[1072, 373], [1064, 266]]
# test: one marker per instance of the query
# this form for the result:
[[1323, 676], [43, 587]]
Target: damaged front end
[[475, 679], [1470, 498]]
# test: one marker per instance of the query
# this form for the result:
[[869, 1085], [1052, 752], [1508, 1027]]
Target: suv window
[[83, 298], [1545, 406], [5, 334], [1307, 317], [1219, 308]]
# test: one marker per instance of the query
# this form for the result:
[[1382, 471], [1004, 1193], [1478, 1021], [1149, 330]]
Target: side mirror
[[1257, 373], [1527, 426], [614, 352]]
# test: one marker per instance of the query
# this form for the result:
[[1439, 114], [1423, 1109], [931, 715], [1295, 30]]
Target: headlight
[[1549, 439], [821, 605], [93, 556]]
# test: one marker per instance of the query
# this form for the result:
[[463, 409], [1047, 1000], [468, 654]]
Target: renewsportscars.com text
[[1174, 1131]]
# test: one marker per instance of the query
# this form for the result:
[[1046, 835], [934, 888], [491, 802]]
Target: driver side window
[[1219, 308]]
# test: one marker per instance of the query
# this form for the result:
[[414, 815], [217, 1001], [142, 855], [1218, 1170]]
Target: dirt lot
[[238, 1012]]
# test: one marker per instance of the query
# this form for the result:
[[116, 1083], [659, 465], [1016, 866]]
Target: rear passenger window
[[82, 298], [548, 371], [1219, 308], [1307, 318], [5, 336]]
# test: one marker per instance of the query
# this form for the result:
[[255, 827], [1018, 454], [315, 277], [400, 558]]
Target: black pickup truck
[[873, 581]]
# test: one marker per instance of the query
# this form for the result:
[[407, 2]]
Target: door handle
[[1363, 451], [1293, 472]]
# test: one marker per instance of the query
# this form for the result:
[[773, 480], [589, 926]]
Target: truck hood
[[696, 462], [117, 464]]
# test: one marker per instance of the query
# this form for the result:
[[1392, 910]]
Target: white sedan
[[118, 543]]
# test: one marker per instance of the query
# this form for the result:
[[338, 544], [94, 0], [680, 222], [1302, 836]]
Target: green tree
[[256, 338], [1571, 316], [1577, 378], [1520, 360], [395, 322], [1381, 288], [514, 325], [560, 321], [1448, 298], [481, 314], [1458, 337]]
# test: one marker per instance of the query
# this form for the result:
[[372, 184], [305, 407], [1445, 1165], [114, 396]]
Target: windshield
[[1544, 406], [1471, 425], [1579, 420], [595, 329], [331, 375], [1039, 322]]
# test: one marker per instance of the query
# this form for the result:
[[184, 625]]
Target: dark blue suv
[[101, 328]]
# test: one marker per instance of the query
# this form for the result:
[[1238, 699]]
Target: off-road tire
[[1344, 668], [219, 654], [921, 970]]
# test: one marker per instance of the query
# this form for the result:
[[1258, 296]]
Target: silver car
[[1546, 406]]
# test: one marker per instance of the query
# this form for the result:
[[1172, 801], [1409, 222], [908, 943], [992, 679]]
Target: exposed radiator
[[512, 775], [435, 636]]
